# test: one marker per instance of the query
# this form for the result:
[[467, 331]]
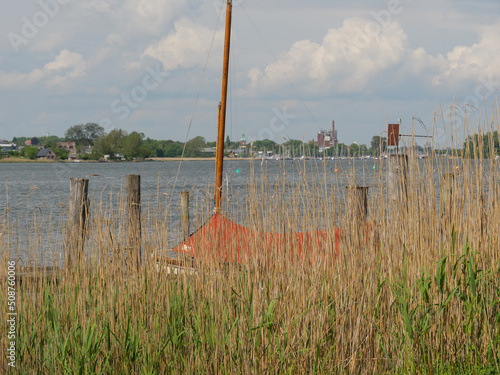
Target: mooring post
[[185, 214], [134, 218], [77, 223], [357, 204], [397, 175], [356, 212]]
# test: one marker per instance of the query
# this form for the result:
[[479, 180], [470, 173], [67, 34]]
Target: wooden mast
[[221, 127]]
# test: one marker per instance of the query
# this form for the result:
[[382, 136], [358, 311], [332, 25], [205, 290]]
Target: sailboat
[[234, 242]]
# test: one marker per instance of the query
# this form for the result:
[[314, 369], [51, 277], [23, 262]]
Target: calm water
[[42, 189]]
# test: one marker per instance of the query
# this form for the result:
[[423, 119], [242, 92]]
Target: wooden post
[[357, 204], [77, 223], [397, 175], [185, 214], [134, 218], [356, 213]]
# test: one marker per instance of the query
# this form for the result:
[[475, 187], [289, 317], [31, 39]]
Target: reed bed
[[418, 291]]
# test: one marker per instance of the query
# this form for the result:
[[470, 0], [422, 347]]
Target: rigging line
[[281, 68], [195, 103]]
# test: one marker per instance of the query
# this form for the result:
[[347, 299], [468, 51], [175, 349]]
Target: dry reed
[[419, 293]]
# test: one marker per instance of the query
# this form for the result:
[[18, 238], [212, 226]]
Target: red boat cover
[[234, 242]]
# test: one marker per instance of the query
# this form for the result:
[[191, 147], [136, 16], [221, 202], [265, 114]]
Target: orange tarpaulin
[[235, 243]]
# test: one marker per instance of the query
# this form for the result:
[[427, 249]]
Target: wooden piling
[[185, 214], [77, 221], [356, 208], [134, 219], [357, 204]]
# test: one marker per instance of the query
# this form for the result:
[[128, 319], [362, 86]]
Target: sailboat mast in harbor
[[221, 124]]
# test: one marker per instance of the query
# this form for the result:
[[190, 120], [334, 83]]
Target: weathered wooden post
[[357, 204], [77, 223], [185, 214], [397, 174], [134, 218], [356, 207]]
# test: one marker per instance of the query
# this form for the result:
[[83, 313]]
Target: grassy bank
[[420, 293]]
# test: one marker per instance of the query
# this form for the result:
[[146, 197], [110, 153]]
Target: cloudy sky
[[296, 65]]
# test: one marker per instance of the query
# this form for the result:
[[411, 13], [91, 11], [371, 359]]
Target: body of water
[[42, 189]]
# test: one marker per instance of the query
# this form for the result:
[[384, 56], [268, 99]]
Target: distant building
[[69, 146], [327, 139], [86, 150], [27, 142], [243, 141], [46, 154], [208, 151], [7, 146]]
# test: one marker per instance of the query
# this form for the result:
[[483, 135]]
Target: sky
[[154, 66]]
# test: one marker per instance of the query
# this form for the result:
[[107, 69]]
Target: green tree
[[172, 150], [354, 149], [29, 152], [194, 146], [378, 145], [75, 134], [61, 153], [132, 145], [84, 134], [363, 150]]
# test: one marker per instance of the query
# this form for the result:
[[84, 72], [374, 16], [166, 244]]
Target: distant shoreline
[[17, 160]]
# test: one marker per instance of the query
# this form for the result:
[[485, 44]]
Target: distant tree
[[92, 131], [354, 149], [75, 134], [84, 134], [34, 141], [173, 149], [363, 149], [110, 144], [482, 145], [29, 152], [378, 144], [20, 140], [61, 153], [132, 145], [195, 146]]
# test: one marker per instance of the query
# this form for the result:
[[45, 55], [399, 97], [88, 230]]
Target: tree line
[[120, 144]]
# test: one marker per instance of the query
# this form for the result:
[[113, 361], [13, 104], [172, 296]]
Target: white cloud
[[49, 43], [352, 58], [347, 59], [66, 68], [151, 15], [468, 63], [185, 47]]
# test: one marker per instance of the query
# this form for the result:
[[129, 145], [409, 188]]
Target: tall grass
[[421, 295]]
